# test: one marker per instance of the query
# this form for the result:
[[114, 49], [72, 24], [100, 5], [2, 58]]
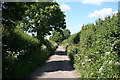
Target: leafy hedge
[[21, 53], [97, 54], [73, 39]]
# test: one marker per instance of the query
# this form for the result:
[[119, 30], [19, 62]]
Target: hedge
[[21, 54]]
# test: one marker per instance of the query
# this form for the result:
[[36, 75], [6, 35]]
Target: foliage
[[37, 17], [12, 13], [66, 33], [97, 65], [56, 36], [73, 39], [21, 54], [60, 36], [116, 47], [72, 43], [96, 55], [43, 17]]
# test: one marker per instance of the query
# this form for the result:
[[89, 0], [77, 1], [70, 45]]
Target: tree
[[12, 13], [56, 36], [43, 17], [60, 36], [37, 17], [66, 33]]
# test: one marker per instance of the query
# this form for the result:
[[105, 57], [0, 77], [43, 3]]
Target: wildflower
[[101, 69], [83, 63], [51, 6], [110, 62], [4, 45], [112, 44], [117, 63], [89, 59], [83, 66], [15, 56], [113, 52], [101, 57], [92, 54], [22, 51], [111, 48], [92, 73], [8, 51], [43, 47], [107, 53], [96, 52]]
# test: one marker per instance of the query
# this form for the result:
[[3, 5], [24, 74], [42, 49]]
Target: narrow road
[[57, 66]]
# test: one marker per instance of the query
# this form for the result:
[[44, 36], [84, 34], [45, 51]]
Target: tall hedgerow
[[21, 54], [97, 54]]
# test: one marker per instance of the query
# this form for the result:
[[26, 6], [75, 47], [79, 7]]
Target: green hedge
[[73, 39], [97, 54], [21, 53]]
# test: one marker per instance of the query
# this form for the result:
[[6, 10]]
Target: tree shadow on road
[[60, 53], [63, 65], [54, 66]]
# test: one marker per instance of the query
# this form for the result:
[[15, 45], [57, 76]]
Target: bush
[[73, 39], [96, 54], [72, 50], [23, 53]]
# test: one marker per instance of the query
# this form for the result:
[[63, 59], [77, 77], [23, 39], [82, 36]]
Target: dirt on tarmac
[[57, 66]]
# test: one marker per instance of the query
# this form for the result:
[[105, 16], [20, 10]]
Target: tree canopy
[[37, 17], [12, 13], [60, 36]]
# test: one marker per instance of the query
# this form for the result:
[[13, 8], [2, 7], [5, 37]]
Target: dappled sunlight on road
[[57, 66]]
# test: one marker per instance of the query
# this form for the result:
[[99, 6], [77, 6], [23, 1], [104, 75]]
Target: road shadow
[[63, 65], [60, 53], [53, 66]]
